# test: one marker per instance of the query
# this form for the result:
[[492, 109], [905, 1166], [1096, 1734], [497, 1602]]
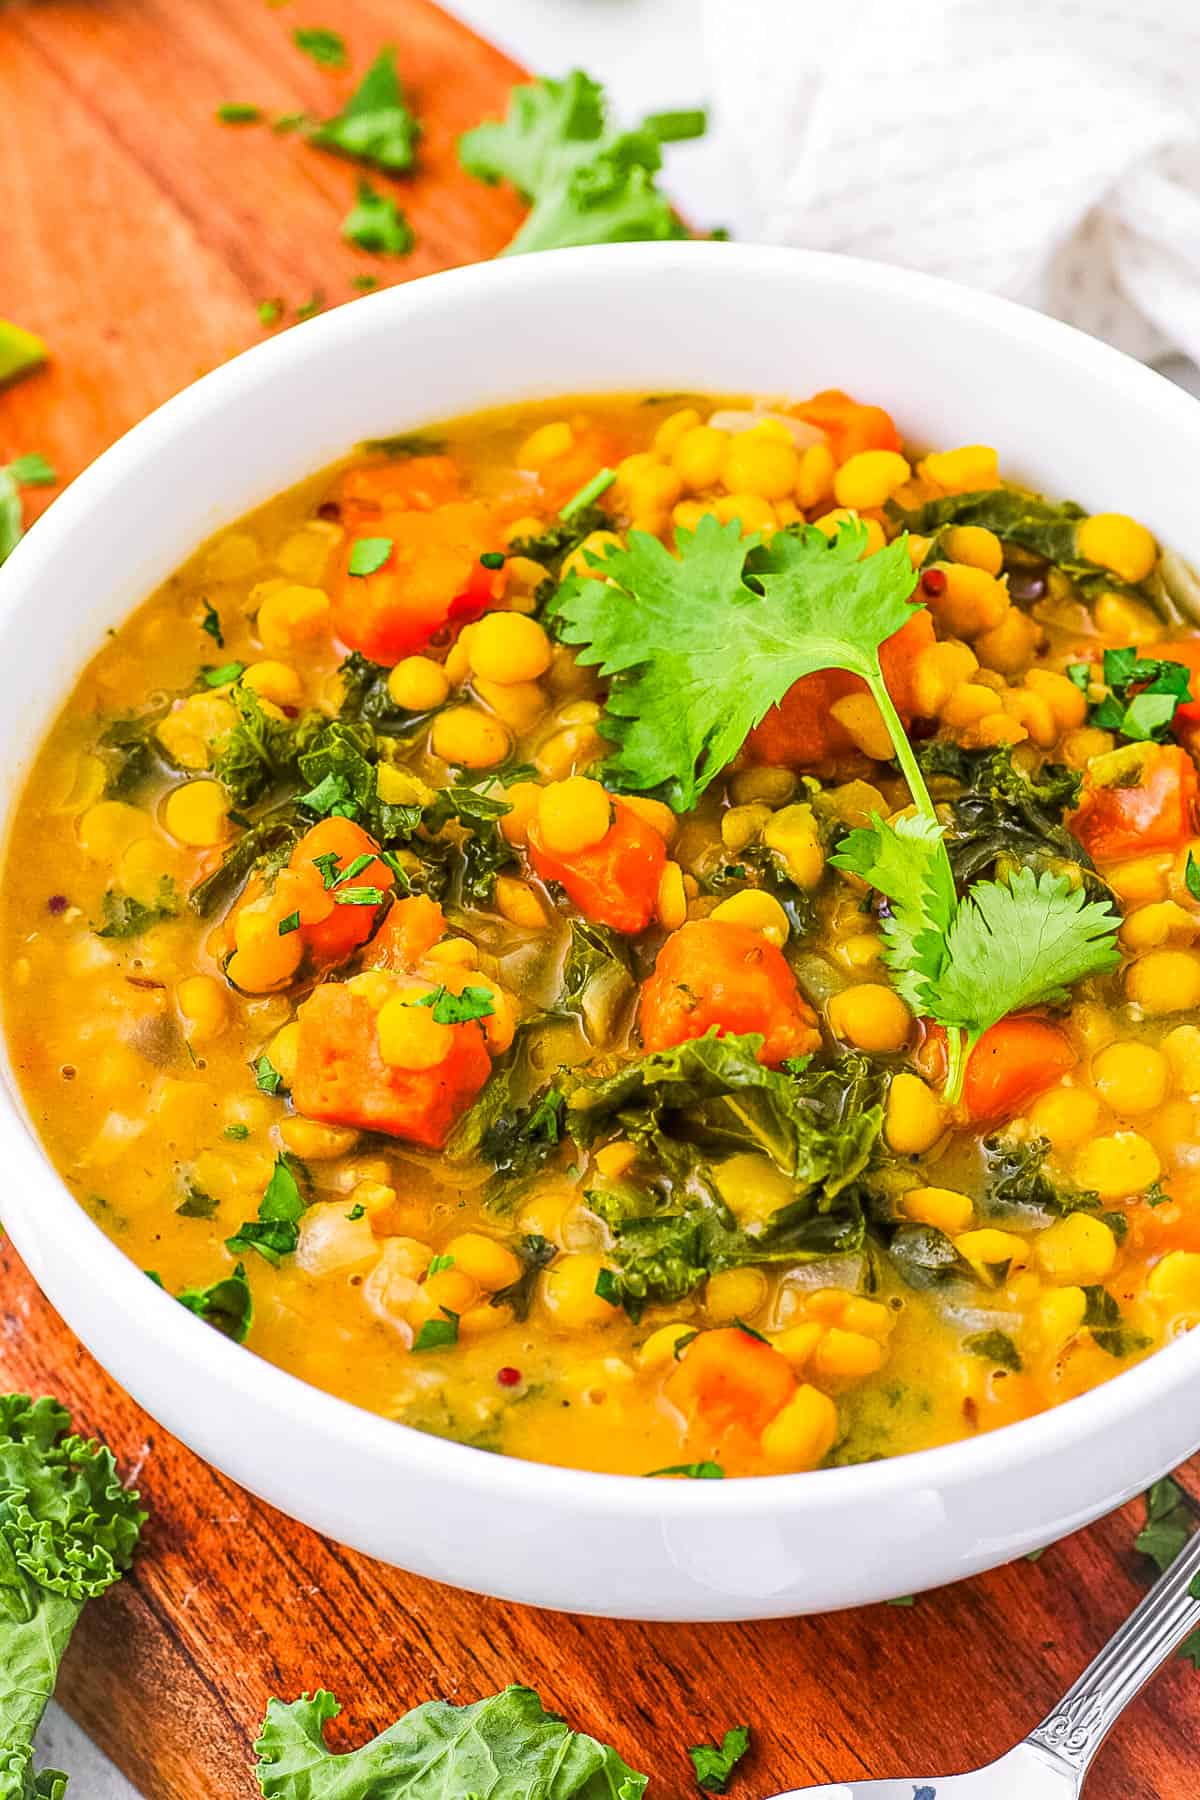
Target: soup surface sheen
[[588, 1123]]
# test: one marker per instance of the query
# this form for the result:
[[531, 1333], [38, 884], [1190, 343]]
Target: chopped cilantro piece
[[226, 1305], [237, 1132], [267, 1076], [364, 283], [369, 554], [675, 127], [276, 1231], [375, 126], [438, 1263], [608, 1287], [492, 559], [33, 470], [714, 1765], [327, 48], [20, 352], [695, 1471], [125, 917], [356, 1212], [289, 924], [1191, 876], [588, 494], [211, 624], [1143, 694], [221, 677], [996, 1347], [459, 1009], [308, 308], [359, 896], [235, 112], [270, 312], [196, 1204], [291, 121], [438, 1334], [375, 223], [331, 796]]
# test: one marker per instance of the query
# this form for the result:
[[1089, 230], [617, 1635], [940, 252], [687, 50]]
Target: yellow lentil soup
[[657, 935]]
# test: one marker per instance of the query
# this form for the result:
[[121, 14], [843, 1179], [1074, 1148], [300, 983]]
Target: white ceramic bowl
[[953, 366]]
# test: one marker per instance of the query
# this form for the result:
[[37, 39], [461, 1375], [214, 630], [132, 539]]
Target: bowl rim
[[275, 1391]]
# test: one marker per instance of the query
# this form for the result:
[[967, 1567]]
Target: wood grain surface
[[137, 236]]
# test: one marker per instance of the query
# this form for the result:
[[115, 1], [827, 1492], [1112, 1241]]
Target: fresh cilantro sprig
[[375, 223], [697, 647], [1142, 694], [715, 1763], [375, 126]]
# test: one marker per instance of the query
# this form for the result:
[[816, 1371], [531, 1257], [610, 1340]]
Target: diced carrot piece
[[416, 483], [342, 1079], [801, 733], [1014, 1061], [333, 929], [411, 929], [1139, 798], [614, 882], [432, 575], [713, 973], [849, 425], [731, 1379]]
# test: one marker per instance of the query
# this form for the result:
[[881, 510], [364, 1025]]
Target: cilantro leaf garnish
[[715, 1764], [375, 126], [327, 48], [226, 1305], [267, 1077], [697, 656], [224, 675], [696, 1471], [906, 861], [1019, 945], [588, 181], [368, 554], [276, 1231], [1144, 693], [459, 1009], [210, 624], [270, 312], [437, 1334], [31, 470], [376, 223], [126, 917]]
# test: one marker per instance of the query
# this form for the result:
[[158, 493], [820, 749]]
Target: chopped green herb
[[1142, 695], [996, 1347], [438, 1334], [360, 896], [125, 917], [364, 283], [375, 126], [1169, 1524], [438, 1263], [1191, 876], [715, 1764], [675, 127], [369, 554], [221, 677], [276, 1231], [1102, 1316], [311, 306], [234, 112], [289, 924], [375, 223], [20, 352], [588, 494], [292, 121], [226, 1305], [236, 1131], [902, 1600], [196, 1204], [33, 470], [696, 1471], [492, 559], [270, 312], [211, 624], [608, 1287], [327, 48], [267, 1077], [356, 1212], [459, 1009]]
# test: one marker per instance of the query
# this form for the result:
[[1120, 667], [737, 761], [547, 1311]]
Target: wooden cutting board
[[137, 236]]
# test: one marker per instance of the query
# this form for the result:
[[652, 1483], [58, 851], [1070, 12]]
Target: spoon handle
[[1075, 1729]]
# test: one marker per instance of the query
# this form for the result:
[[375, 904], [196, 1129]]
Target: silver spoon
[[1054, 1759]]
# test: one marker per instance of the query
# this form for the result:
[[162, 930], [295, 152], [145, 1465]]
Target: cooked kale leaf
[[125, 917], [1017, 1176], [597, 980], [1004, 812], [1047, 528]]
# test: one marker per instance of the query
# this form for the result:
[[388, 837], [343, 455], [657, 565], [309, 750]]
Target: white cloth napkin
[[1048, 150]]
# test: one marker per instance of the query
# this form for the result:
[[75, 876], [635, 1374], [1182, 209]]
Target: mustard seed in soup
[[656, 935]]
